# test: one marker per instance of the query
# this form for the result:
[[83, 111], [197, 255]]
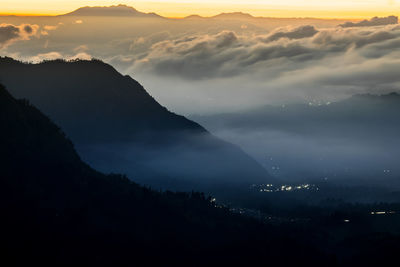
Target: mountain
[[194, 17], [118, 127], [56, 210], [233, 15], [113, 11]]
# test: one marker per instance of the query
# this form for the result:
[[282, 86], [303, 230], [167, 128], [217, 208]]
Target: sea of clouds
[[209, 71]]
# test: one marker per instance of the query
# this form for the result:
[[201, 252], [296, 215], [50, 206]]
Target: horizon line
[[200, 16], [363, 15]]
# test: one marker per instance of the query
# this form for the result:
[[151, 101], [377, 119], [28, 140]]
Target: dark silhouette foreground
[[56, 210]]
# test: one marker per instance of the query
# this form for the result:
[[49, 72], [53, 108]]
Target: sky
[[181, 8]]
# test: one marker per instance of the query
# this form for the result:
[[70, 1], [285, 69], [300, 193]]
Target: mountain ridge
[[129, 11], [233, 15], [118, 127], [57, 205], [116, 10]]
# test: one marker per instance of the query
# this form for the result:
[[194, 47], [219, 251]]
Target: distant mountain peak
[[194, 17], [234, 15], [112, 11]]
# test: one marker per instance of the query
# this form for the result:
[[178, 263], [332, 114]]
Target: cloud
[[81, 49], [10, 33], [375, 21], [28, 29], [228, 54], [57, 55], [230, 71], [142, 44], [50, 27], [194, 57], [81, 55], [47, 28], [296, 33], [46, 56]]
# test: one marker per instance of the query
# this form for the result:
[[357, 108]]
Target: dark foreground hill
[[118, 127], [56, 210]]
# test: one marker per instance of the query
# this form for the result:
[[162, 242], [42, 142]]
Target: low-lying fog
[[355, 140]]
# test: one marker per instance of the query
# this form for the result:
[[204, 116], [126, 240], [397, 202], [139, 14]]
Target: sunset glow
[[182, 8]]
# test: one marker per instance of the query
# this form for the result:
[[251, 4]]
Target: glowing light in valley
[[382, 212], [269, 188]]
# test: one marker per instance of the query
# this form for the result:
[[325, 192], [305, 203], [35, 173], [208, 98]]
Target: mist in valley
[[353, 141]]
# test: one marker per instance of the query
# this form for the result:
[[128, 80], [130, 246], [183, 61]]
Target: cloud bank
[[376, 21], [288, 64], [10, 33], [205, 68], [296, 33], [230, 54]]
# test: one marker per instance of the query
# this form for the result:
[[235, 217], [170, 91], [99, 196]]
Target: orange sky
[[181, 8]]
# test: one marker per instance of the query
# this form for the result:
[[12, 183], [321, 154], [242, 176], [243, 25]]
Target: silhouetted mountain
[[115, 11], [57, 210], [234, 15], [118, 127], [194, 17]]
